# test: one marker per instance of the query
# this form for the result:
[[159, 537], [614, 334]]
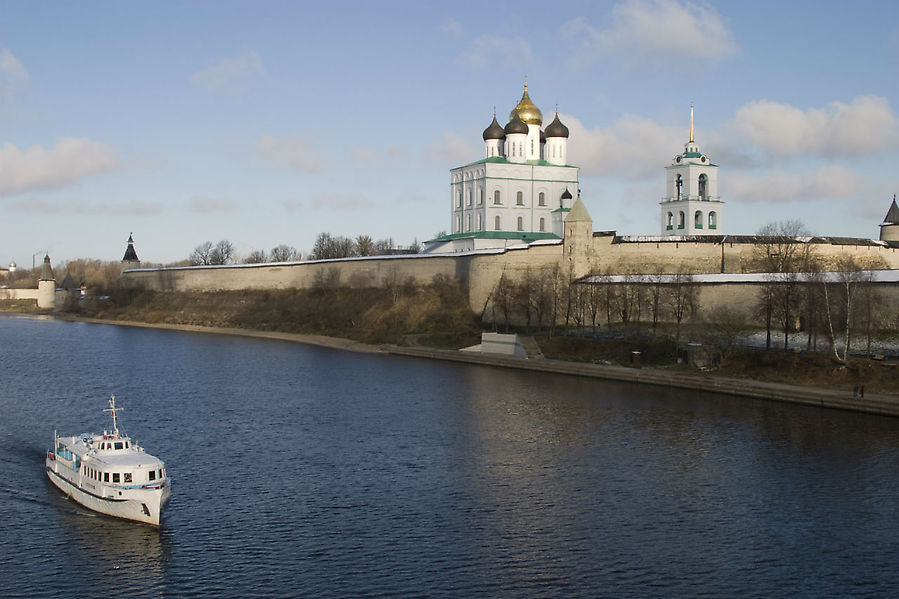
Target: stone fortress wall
[[581, 253]]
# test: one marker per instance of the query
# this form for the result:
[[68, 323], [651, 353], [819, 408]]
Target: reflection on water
[[121, 556], [309, 472]]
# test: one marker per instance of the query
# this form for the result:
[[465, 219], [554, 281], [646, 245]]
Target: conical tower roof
[[46, 271], [130, 254], [892, 217], [578, 213]]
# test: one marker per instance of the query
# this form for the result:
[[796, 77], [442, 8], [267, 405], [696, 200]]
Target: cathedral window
[[480, 223], [459, 199], [480, 196], [703, 187], [519, 198], [520, 223], [541, 199], [669, 221], [496, 197], [713, 220], [468, 198], [679, 183], [458, 225], [542, 224], [680, 220], [467, 223], [697, 219], [496, 222]]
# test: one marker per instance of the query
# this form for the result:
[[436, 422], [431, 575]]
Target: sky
[[267, 123]]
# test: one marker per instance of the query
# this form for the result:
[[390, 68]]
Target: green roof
[[502, 160], [525, 236]]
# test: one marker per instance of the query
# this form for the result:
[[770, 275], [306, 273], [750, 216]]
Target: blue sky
[[267, 123]]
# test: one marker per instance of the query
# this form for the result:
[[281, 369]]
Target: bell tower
[[691, 205]]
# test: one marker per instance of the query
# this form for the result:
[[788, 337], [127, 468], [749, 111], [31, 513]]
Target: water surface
[[307, 472]]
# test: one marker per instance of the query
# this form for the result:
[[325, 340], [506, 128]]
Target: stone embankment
[[811, 396]]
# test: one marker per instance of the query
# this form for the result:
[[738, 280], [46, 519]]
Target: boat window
[[152, 475], [106, 477], [127, 477], [118, 445], [115, 477]]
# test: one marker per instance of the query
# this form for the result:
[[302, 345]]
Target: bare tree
[[364, 246], [782, 251], [284, 253], [222, 253], [524, 295], [682, 300], [504, 299], [202, 254], [255, 257], [656, 294], [327, 247], [594, 298], [841, 298]]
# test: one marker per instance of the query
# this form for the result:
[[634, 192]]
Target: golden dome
[[527, 111]]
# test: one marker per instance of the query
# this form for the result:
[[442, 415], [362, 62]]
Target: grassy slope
[[437, 316]]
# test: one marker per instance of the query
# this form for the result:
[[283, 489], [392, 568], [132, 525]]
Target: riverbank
[[881, 404]]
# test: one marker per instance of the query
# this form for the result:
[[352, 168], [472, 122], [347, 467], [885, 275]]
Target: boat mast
[[112, 410]]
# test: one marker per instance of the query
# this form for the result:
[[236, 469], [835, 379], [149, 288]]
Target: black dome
[[494, 131], [516, 125], [556, 128]]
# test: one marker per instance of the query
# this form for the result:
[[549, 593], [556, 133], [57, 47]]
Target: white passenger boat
[[110, 473]]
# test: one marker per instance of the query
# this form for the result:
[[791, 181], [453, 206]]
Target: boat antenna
[[112, 410]]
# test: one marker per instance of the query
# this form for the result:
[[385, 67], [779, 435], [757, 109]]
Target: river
[[302, 471]]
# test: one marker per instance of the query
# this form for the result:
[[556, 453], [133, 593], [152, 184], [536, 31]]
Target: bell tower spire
[[691, 123]]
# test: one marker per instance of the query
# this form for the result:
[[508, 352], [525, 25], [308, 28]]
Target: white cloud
[[833, 182], [632, 147], [452, 149], [376, 156], [67, 162], [864, 126], [207, 204], [347, 202], [511, 52], [12, 74], [293, 152], [452, 28], [82, 207], [664, 29], [230, 72]]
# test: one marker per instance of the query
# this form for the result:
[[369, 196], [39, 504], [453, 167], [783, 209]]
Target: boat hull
[[139, 505]]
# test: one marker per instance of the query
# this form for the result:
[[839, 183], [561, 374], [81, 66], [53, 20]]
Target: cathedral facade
[[519, 192]]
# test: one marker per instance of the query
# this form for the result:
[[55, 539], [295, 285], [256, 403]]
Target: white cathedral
[[523, 188]]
